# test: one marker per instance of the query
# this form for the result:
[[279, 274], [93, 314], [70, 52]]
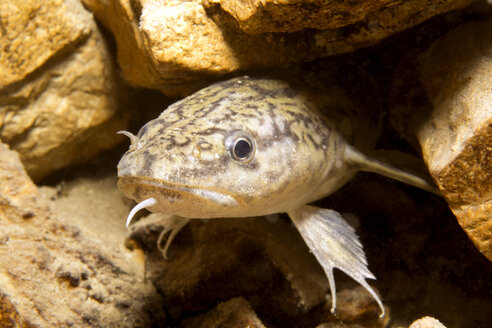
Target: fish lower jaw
[[182, 200]]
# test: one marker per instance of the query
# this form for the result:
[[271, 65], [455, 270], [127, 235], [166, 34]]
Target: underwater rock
[[263, 260], [52, 275], [427, 322], [179, 47], [58, 90], [370, 20], [235, 313], [456, 137], [213, 260]]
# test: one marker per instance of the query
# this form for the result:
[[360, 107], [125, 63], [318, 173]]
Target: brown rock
[[376, 17], [456, 137], [264, 261], [355, 309], [213, 260], [427, 322], [53, 275], [340, 324], [58, 93], [34, 31], [178, 47], [235, 313]]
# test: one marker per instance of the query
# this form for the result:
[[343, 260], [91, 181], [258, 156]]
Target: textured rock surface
[[370, 19], [265, 261], [427, 322], [407, 238], [210, 250], [180, 46], [54, 275], [58, 93], [233, 313], [62, 262], [456, 138], [449, 113], [423, 260]]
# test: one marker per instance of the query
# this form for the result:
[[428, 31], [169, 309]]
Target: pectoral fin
[[335, 245]]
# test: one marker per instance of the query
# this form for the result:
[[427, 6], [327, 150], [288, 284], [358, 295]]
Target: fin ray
[[172, 225], [335, 245]]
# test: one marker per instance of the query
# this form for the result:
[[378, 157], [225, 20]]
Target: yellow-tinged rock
[[59, 96], [52, 274], [456, 137], [427, 322], [33, 31], [178, 47], [236, 312], [382, 16]]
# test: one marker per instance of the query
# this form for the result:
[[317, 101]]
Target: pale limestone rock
[[52, 274], [456, 137], [58, 93], [178, 47], [235, 313], [427, 322]]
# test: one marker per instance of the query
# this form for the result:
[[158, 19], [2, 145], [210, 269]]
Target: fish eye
[[242, 149], [240, 146]]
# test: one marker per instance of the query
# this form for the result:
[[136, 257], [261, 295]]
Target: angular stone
[[214, 260], [378, 17], [178, 47], [427, 322], [54, 275], [33, 31], [59, 95], [235, 313], [456, 137], [263, 260]]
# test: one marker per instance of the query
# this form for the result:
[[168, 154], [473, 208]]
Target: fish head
[[243, 147]]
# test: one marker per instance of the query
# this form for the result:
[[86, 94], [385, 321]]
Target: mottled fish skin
[[254, 146], [182, 159]]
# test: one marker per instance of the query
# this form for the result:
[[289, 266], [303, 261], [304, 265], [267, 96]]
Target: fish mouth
[[141, 188]]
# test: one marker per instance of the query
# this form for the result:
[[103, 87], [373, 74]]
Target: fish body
[[256, 146], [185, 156]]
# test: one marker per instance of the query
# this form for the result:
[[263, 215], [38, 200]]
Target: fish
[[254, 146]]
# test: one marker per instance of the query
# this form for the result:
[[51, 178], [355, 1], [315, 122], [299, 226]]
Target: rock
[[340, 324], [355, 309], [213, 260], [418, 253], [53, 275], [427, 322], [454, 125], [375, 18], [178, 47], [354, 304], [264, 261], [59, 96], [30, 37], [235, 313]]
